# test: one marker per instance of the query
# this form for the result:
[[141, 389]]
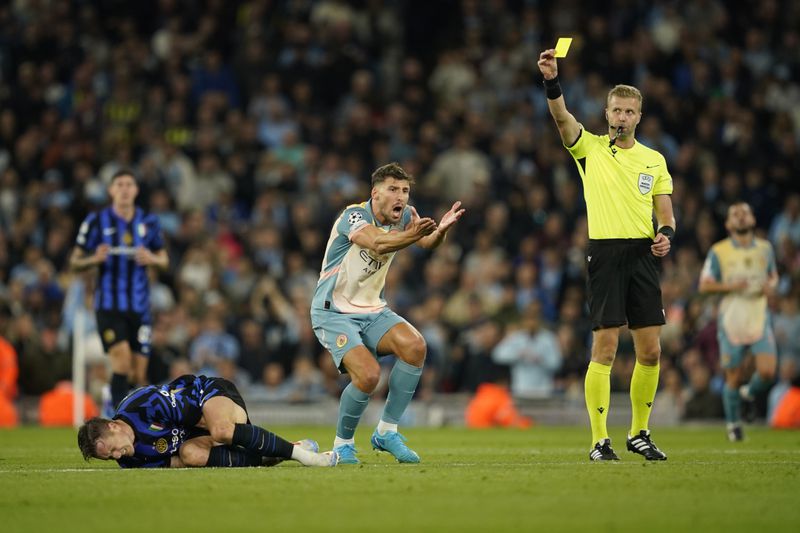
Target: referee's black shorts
[[623, 284]]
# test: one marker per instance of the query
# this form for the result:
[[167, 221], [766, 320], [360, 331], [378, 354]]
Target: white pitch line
[[531, 464]]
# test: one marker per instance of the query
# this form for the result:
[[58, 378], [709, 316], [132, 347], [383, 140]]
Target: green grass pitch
[[534, 480]]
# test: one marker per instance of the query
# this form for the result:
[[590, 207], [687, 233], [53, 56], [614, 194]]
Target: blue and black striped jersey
[[123, 285], [163, 417]]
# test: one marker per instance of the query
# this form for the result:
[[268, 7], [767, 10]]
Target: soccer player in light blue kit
[[742, 268], [351, 318]]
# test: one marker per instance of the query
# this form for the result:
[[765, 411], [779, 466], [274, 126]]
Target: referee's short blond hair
[[625, 91]]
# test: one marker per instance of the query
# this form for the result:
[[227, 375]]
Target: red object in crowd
[[787, 414], [493, 406], [55, 406]]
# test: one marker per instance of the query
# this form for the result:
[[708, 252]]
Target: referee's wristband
[[668, 231], [552, 88]]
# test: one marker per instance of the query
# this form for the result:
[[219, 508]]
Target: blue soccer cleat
[[394, 443], [347, 454]]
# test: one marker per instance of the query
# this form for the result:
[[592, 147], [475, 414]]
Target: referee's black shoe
[[642, 445], [602, 452]]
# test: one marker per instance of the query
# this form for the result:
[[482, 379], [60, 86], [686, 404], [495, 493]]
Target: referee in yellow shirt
[[623, 183]]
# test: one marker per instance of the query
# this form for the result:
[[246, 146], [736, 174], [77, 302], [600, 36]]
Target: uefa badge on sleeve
[[645, 183]]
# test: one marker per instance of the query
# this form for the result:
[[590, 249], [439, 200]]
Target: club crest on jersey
[[109, 335], [161, 445], [354, 217], [645, 183], [341, 340]]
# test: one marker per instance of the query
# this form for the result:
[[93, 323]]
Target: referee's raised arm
[[568, 126]]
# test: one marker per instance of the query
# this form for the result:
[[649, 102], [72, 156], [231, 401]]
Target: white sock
[[383, 427], [303, 456], [338, 441]]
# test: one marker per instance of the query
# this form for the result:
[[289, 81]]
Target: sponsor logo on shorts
[[161, 445], [341, 340]]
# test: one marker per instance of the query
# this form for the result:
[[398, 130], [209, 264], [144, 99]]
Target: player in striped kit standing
[[122, 241]]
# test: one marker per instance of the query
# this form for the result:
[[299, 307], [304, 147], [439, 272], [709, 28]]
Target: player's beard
[[750, 228]]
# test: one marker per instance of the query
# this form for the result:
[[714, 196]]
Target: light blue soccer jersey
[[353, 278], [743, 315]]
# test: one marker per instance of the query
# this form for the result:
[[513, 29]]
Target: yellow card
[[562, 46]]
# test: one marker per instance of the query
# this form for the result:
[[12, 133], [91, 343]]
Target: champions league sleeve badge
[[354, 217]]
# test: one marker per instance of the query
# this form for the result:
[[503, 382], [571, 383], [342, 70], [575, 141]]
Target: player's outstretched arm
[[381, 242], [568, 126], [448, 219]]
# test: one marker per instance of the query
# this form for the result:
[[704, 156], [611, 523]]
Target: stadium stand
[[250, 124]]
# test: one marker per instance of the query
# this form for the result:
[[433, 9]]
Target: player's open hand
[[451, 217], [547, 64], [421, 226], [661, 245]]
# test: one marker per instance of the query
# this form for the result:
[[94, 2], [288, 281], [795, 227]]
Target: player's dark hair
[[122, 172], [391, 170], [735, 203], [93, 429]]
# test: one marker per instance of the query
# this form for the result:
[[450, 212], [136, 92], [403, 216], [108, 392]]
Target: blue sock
[[232, 456], [351, 406], [261, 441], [731, 402], [757, 385], [403, 383], [119, 389]]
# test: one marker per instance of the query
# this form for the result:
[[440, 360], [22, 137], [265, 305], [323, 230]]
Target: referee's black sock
[[119, 388], [232, 456], [261, 441]]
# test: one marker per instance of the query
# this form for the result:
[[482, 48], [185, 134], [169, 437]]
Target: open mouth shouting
[[397, 211]]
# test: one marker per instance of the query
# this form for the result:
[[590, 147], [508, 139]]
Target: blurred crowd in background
[[251, 124]]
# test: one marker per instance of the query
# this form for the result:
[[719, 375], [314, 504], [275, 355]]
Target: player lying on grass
[[190, 422]]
